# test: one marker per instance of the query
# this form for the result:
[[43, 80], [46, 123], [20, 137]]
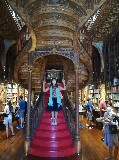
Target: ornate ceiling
[[61, 23], [54, 21], [106, 22], [8, 28]]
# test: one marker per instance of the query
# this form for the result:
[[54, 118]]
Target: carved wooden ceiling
[[8, 28], [107, 21], [53, 23]]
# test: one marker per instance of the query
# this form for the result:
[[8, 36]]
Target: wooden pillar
[[77, 136], [77, 103], [28, 136]]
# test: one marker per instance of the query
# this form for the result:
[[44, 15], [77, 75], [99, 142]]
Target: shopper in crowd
[[54, 103], [22, 105], [8, 117], [110, 138], [89, 109], [103, 107]]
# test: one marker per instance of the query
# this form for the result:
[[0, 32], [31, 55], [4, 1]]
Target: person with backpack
[[89, 109], [8, 117]]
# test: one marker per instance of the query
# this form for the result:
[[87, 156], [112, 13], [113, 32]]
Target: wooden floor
[[92, 147]]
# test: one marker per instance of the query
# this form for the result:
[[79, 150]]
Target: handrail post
[[28, 135]]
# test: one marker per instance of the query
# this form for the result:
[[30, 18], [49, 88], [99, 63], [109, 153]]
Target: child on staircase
[[54, 104]]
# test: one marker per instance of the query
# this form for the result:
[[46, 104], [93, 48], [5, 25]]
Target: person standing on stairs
[[54, 104]]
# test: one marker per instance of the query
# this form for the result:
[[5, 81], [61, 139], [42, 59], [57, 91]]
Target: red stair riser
[[52, 135], [52, 128], [54, 154], [49, 144], [49, 117], [48, 120], [50, 148], [48, 114]]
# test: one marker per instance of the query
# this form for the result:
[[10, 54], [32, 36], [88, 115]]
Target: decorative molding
[[55, 33], [55, 42], [66, 52]]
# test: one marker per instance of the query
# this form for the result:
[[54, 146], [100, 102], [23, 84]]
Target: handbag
[[113, 129]]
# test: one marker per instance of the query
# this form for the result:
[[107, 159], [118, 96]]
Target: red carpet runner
[[52, 141]]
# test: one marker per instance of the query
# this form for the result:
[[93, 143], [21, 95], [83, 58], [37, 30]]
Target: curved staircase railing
[[23, 43], [23, 46], [24, 37], [36, 114], [69, 115], [23, 52], [83, 46]]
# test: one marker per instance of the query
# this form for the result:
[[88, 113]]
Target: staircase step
[[49, 116], [57, 153], [52, 143], [47, 148], [52, 134], [59, 127], [54, 139], [49, 113], [48, 121]]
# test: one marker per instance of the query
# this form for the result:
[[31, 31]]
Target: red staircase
[[52, 141]]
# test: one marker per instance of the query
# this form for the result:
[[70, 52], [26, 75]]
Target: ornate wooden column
[[77, 136], [28, 136], [76, 63], [77, 103]]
